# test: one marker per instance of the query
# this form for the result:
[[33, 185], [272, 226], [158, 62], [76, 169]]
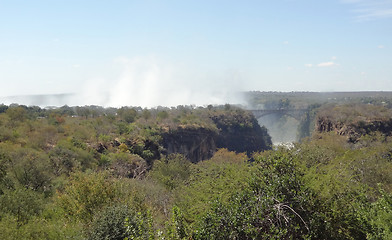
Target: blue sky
[[185, 47]]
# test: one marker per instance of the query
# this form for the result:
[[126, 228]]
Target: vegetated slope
[[93, 173], [194, 132]]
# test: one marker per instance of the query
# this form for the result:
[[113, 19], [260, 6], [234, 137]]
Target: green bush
[[177, 228], [278, 204], [225, 173], [110, 223], [85, 194], [40, 228], [139, 226], [21, 204], [171, 171], [275, 206], [378, 217]]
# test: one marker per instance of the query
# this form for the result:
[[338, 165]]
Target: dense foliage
[[94, 173]]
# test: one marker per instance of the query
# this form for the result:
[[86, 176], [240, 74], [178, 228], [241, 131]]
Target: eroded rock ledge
[[355, 120]]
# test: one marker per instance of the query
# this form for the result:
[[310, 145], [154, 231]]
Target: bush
[[225, 173], [378, 217], [275, 206], [39, 228], [86, 193], [139, 226], [171, 171], [21, 204], [110, 223], [278, 204]]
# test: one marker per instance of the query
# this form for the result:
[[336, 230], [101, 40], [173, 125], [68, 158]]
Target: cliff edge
[[354, 120]]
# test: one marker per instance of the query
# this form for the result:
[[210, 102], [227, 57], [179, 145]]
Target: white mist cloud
[[149, 82]]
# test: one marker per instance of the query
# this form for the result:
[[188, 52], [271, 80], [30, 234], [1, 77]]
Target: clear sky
[[143, 48]]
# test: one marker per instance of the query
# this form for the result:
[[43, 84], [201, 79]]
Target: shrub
[[21, 204], [86, 193], [110, 223], [171, 171]]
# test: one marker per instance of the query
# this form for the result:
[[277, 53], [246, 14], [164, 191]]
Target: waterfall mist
[[147, 82]]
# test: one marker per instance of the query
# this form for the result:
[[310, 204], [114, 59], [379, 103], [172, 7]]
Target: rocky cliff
[[237, 131], [196, 144], [355, 121], [194, 133], [240, 132]]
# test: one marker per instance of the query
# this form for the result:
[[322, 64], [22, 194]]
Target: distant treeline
[[299, 100]]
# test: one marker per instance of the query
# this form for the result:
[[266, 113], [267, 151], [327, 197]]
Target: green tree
[[63, 160], [30, 169], [21, 204], [85, 194], [17, 113], [171, 171], [128, 114], [146, 114], [226, 172], [3, 108], [163, 115]]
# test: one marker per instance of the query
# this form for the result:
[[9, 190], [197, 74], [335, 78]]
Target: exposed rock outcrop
[[194, 144], [355, 121], [238, 131], [241, 133]]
